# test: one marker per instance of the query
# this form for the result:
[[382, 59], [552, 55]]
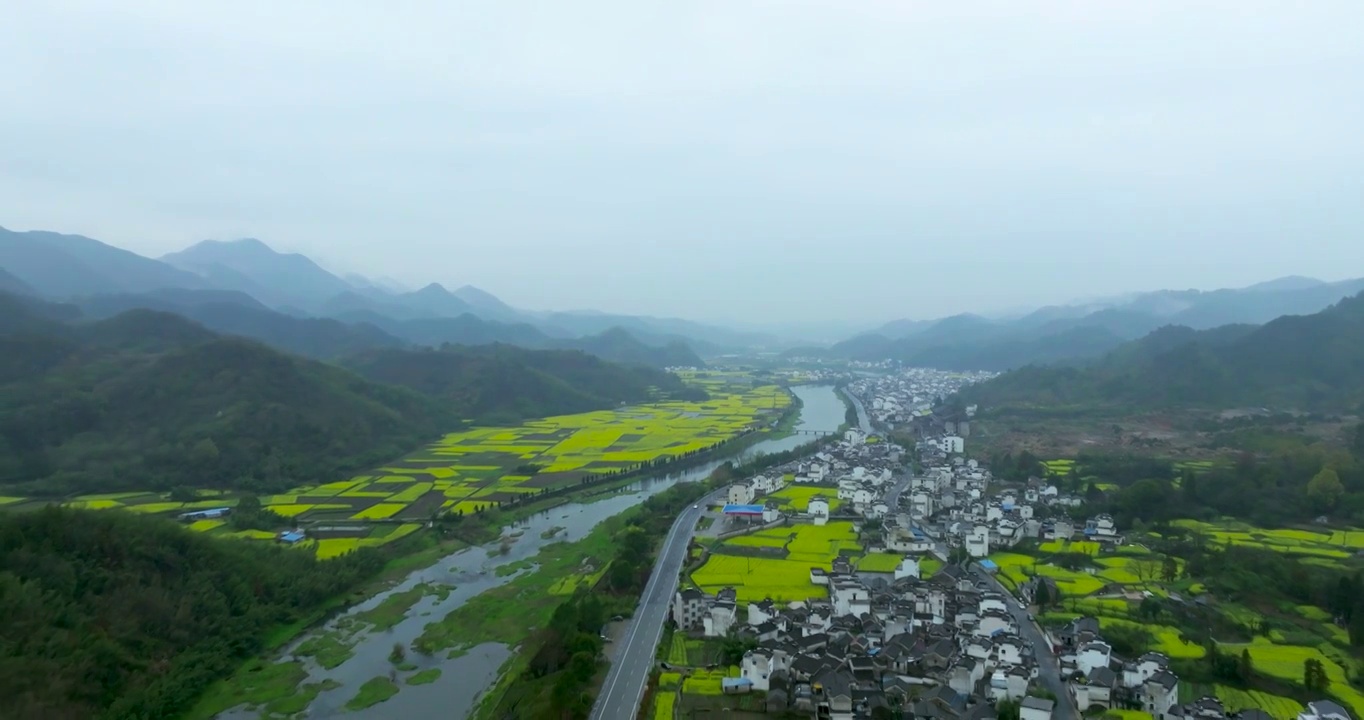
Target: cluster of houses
[[949, 502], [907, 397], [858, 471], [944, 648]]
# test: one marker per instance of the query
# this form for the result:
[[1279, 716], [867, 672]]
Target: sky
[[730, 160]]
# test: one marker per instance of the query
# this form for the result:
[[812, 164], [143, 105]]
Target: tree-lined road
[[625, 682]]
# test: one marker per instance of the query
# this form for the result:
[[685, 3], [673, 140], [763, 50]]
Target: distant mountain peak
[[434, 288], [1288, 282]]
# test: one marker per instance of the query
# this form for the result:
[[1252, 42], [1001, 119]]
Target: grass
[[798, 497], [1084, 547], [1285, 662], [259, 684], [373, 692], [506, 614], [1236, 700], [327, 649], [879, 562], [425, 677], [664, 702], [393, 609]]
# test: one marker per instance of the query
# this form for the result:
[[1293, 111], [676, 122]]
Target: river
[[473, 570]]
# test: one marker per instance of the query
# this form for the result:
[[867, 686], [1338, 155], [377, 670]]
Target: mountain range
[[1077, 333], [244, 287], [146, 399], [1304, 362]]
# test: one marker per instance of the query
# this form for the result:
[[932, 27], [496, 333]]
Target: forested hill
[[1305, 362], [151, 401], [504, 383], [112, 615]]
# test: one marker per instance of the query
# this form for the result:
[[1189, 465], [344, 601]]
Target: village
[[931, 633]]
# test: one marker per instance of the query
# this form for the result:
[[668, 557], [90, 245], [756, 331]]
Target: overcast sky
[[733, 159]]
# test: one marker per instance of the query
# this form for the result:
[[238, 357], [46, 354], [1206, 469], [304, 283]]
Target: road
[[629, 674], [1049, 672]]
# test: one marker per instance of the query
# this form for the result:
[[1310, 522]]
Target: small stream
[[472, 571]]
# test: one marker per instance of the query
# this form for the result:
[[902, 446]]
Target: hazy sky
[[717, 160]]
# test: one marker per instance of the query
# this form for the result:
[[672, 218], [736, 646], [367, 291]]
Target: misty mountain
[[233, 313], [236, 313], [63, 266], [1308, 362], [250, 266], [13, 285], [66, 266], [482, 379], [615, 344], [1079, 333], [618, 345]]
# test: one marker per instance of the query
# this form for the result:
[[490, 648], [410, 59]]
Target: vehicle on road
[[693, 507]]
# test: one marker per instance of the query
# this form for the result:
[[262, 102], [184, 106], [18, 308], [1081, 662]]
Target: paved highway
[[620, 694]]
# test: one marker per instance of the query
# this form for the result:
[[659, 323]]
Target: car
[[1030, 617], [693, 507]]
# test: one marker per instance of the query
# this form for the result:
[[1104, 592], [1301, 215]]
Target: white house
[[741, 493], [854, 437], [1092, 655], [688, 607], [1160, 694], [952, 444], [978, 542], [758, 666], [908, 567], [921, 503], [761, 612], [818, 510], [720, 619]]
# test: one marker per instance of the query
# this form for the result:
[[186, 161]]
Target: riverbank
[[479, 554]]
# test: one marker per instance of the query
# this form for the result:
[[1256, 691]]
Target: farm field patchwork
[[1286, 663], [477, 469], [781, 579], [1323, 547]]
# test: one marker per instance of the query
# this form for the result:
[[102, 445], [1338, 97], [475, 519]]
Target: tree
[[1247, 666], [1314, 675], [1041, 596], [1007, 710], [1324, 490], [182, 494], [1170, 569]]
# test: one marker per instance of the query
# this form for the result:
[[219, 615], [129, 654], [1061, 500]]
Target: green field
[[780, 579], [798, 497], [474, 470]]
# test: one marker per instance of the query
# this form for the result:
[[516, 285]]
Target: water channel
[[473, 570]]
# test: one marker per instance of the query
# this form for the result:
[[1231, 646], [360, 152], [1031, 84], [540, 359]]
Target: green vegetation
[[373, 692], [502, 384], [785, 575], [424, 677], [199, 607], [1230, 366], [144, 401]]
